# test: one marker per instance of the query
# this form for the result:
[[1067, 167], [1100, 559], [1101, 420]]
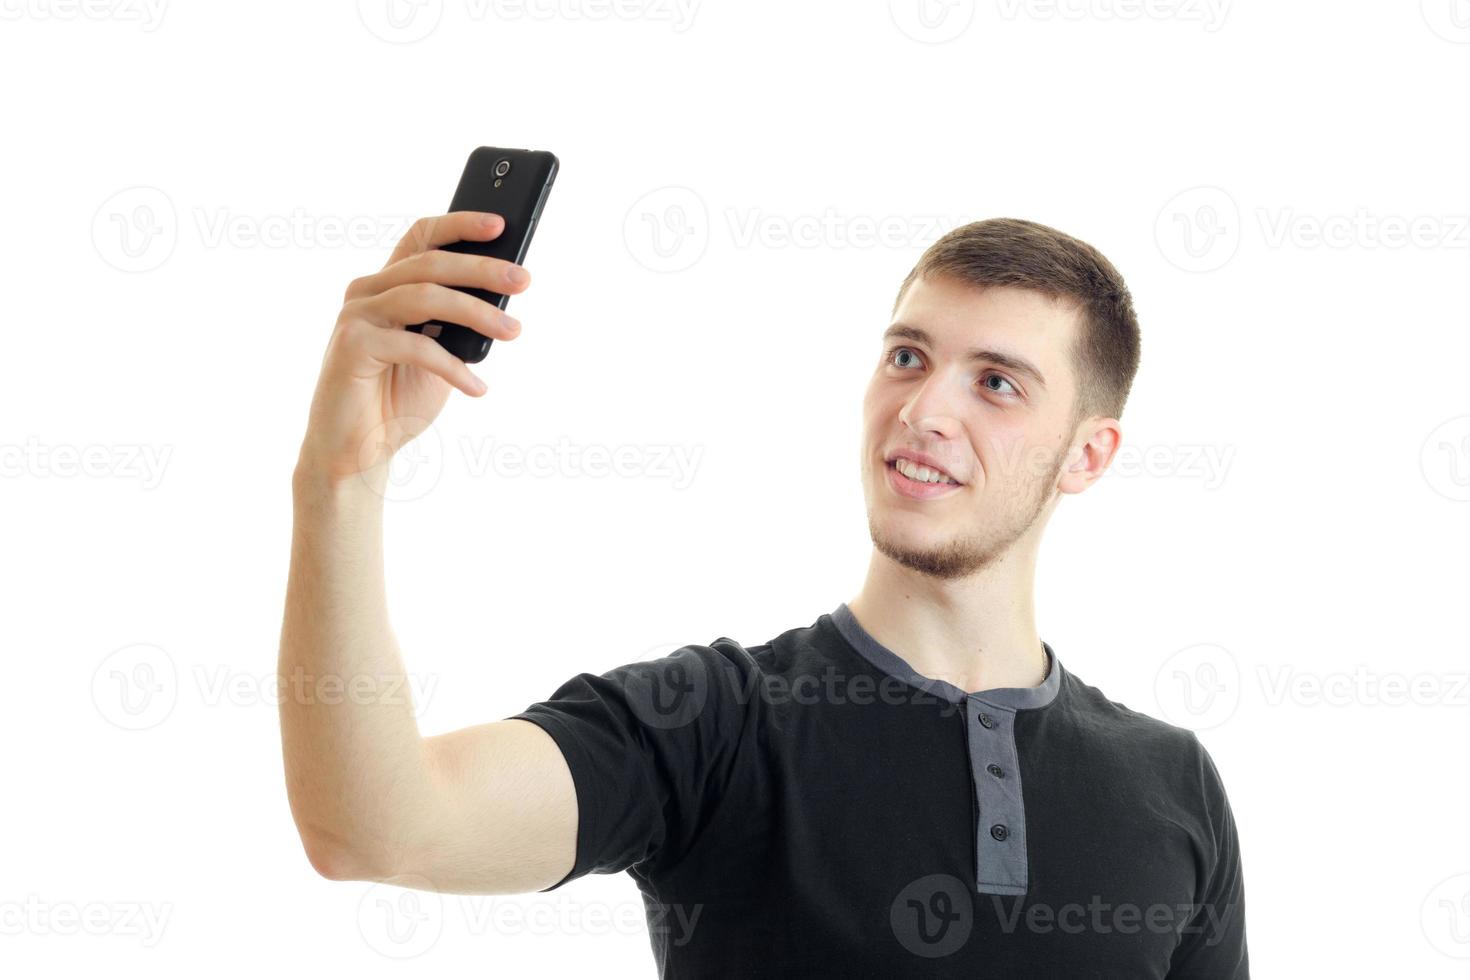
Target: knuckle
[[431, 262], [421, 233], [413, 235], [351, 333]]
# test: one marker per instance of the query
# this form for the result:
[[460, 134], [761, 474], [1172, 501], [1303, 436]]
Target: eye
[[899, 350], [991, 376]]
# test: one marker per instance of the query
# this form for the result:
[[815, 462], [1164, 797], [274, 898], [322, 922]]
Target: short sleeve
[[652, 747], [1212, 944]]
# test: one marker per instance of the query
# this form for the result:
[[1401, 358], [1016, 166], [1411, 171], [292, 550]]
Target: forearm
[[355, 765]]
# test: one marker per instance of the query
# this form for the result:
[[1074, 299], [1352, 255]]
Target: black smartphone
[[513, 184]]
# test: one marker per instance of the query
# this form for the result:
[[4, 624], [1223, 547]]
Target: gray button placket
[[1001, 866], [1000, 826]]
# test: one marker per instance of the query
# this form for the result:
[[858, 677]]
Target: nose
[[929, 413]]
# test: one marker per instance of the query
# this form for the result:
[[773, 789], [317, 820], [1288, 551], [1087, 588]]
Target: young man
[[911, 785]]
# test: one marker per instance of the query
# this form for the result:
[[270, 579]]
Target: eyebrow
[[1018, 364]]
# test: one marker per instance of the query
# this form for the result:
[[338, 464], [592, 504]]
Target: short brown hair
[[1013, 252]]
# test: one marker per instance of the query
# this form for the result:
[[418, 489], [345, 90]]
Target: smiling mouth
[[922, 475], [912, 489]]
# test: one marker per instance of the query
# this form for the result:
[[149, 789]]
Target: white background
[[1285, 530]]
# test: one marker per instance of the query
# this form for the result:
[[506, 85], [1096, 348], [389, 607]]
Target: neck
[[978, 633]]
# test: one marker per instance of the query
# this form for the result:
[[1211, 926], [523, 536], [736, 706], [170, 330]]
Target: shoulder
[[701, 684], [1092, 707], [1154, 749], [796, 652]]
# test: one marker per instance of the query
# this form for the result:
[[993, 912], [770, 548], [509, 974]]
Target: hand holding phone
[[514, 184], [379, 384]]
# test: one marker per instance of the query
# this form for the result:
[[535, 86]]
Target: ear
[[1096, 445]]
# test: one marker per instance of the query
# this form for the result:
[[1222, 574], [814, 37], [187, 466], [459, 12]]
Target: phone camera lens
[[502, 168]]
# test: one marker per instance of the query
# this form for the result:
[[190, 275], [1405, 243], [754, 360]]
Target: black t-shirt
[[812, 807]]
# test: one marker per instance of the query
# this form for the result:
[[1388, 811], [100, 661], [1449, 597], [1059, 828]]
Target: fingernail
[[517, 275]]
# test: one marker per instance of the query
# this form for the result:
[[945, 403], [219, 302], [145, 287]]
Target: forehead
[[1021, 322]]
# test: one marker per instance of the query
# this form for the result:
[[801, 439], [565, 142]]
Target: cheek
[[1006, 453], [879, 408]]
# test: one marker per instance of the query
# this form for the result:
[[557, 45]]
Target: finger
[[442, 229], [402, 347], [447, 269], [416, 302]]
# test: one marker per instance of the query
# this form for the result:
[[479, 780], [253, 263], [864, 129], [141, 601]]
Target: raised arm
[[489, 809]]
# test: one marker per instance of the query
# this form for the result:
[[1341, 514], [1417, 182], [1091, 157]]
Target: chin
[[912, 531]]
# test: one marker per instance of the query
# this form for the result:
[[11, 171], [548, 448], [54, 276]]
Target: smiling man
[[910, 786]]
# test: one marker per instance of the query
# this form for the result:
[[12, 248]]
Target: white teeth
[[920, 474]]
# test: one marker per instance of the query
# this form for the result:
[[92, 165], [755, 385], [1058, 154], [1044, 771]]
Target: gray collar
[[892, 664]]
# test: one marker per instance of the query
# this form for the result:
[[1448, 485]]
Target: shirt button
[[986, 720], [995, 770], [999, 831]]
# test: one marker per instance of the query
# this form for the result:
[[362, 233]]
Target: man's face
[[1000, 422]]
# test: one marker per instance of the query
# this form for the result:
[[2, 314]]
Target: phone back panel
[[518, 198]]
